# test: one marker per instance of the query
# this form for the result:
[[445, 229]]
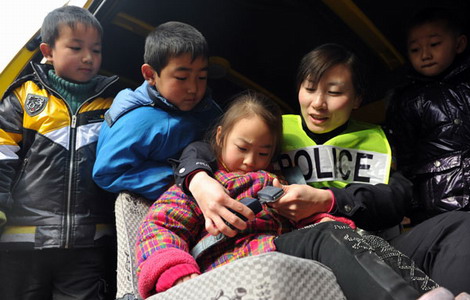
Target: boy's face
[[432, 48], [76, 55], [182, 82]]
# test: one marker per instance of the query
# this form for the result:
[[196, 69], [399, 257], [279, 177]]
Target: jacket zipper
[[72, 143], [68, 215], [67, 218]]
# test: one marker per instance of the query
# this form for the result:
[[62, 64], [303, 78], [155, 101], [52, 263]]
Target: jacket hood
[[127, 100], [147, 95]]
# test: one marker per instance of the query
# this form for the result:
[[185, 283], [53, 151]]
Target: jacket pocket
[[439, 184]]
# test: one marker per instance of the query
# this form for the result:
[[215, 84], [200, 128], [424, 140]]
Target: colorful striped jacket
[[175, 224]]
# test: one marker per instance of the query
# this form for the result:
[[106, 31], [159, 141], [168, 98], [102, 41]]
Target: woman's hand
[[300, 201], [186, 278], [214, 201], [326, 219]]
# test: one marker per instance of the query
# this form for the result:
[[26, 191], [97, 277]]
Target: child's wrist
[[191, 180]]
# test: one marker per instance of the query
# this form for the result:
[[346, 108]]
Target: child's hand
[[186, 278], [214, 202], [300, 201]]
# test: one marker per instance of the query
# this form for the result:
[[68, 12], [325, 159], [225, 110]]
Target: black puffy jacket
[[429, 128]]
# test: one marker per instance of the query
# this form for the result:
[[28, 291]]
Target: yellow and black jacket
[[46, 161]]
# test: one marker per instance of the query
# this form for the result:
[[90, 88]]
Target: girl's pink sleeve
[[172, 225]]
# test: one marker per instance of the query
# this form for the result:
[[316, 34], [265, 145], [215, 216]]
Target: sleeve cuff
[[183, 175], [156, 267], [170, 276], [316, 218], [333, 202]]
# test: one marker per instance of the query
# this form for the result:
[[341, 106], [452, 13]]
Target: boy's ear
[[46, 51], [148, 73], [461, 43]]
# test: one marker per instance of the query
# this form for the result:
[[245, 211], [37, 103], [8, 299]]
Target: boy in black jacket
[[428, 118], [58, 222], [429, 128]]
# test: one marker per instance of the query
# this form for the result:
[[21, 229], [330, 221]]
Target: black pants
[[366, 267], [53, 274], [441, 247]]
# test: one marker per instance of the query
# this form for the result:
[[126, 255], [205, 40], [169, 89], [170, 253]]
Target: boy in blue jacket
[[146, 127]]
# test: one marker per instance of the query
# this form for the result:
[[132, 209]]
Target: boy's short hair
[[449, 18], [69, 16], [173, 39]]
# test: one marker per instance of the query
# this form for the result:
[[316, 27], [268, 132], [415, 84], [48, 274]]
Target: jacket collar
[[103, 82], [148, 95], [460, 66]]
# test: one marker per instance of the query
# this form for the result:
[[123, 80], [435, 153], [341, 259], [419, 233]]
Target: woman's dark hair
[[315, 63]]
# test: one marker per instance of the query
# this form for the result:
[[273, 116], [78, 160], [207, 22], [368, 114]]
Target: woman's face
[[327, 104]]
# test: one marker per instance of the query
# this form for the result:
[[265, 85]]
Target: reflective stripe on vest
[[361, 154]]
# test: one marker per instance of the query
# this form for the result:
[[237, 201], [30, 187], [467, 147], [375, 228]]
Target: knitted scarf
[[73, 93]]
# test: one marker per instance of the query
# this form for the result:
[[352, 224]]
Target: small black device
[[270, 194], [267, 194], [252, 203]]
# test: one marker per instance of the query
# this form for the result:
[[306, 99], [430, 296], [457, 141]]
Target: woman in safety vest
[[345, 164]]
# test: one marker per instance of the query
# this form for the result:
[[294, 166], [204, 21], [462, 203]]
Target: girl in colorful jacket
[[245, 142]]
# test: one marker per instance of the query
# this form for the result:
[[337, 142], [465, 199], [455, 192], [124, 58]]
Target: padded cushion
[[129, 211], [273, 276]]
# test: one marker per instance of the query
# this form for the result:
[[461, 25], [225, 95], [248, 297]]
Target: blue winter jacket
[[142, 131]]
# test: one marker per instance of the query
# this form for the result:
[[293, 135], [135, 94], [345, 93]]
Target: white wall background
[[19, 20]]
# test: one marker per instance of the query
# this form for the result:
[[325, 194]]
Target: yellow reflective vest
[[360, 154]]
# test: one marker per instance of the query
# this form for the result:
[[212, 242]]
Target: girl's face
[[327, 104], [248, 147]]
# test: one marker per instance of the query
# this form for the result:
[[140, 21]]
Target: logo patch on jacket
[[35, 104]]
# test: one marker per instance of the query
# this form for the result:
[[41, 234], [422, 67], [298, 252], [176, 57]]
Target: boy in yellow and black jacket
[[56, 220]]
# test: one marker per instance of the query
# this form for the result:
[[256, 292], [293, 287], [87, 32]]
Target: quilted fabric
[[129, 212], [269, 276]]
